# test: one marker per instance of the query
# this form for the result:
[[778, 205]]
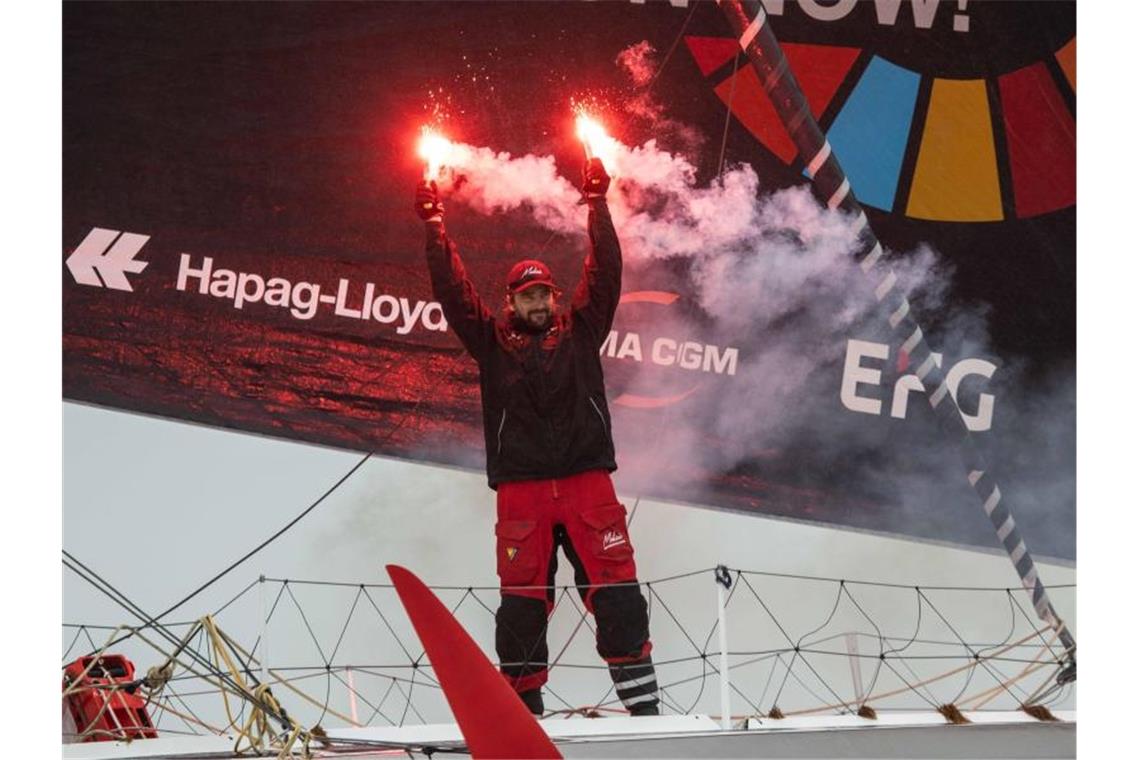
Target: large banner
[[240, 248]]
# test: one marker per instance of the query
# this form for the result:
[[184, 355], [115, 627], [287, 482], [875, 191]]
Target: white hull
[[892, 735]]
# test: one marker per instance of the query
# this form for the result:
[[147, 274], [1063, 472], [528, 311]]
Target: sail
[[240, 249]]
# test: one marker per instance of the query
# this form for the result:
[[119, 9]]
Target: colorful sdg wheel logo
[[930, 148]]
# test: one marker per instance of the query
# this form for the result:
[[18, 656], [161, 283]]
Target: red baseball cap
[[528, 273]]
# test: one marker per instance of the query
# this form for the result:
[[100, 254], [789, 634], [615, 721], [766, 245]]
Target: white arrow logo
[[111, 254]]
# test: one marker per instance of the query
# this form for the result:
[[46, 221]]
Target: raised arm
[[598, 292], [466, 313]]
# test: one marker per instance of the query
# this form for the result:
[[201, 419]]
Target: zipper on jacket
[[499, 435], [600, 415], [536, 352]]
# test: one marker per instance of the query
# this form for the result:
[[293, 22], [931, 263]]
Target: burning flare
[[597, 143], [435, 149]]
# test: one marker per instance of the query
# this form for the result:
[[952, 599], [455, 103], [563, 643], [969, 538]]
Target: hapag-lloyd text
[[303, 299]]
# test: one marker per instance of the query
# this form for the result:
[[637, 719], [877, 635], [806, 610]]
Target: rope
[[257, 731], [672, 47]]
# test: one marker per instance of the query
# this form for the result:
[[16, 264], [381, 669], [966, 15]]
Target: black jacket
[[544, 398]]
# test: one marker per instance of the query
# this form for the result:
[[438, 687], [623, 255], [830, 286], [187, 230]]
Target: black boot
[[533, 701], [636, 686]]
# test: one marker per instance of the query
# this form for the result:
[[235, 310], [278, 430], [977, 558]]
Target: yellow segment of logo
[[511, 552]]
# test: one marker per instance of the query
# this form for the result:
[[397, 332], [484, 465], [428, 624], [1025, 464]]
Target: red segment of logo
[[710, 53], [1042, 138], [819, 69]]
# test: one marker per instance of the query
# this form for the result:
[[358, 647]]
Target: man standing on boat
[[550, 450]]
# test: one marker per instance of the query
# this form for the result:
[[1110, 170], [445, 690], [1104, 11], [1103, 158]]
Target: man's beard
[[539, 318], [527, 323]]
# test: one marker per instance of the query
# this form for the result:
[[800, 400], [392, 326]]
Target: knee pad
[[623, 622], [520, 634]]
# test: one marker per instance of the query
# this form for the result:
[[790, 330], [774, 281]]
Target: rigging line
[[97, 627], [1035, 695], [984, 663], [733, 686], [1056, 693], [221, 609], [728, 117], [821, 626], [149, 621], [909, 586], [826, 685], [1029, 620], [378, 711], [933, 699], [965, 685], [90, 640], [881, 638], [347, 620], [784, 681], [808, 689], [408, 704], [570, 638], [546, 630], [775, 662], [935, 642], [633, 512], [320, 651], [740, 576], [670, 701], [271, 539], [897, 650], [276, 600], [981, 699], [557, 587], [71, 646], [930, 701], [106, 588], [309, 628], [664, 606], [193, 716], [352, 690], [319, 670], [388, 626], [551, 692], [672, 47], [328, 696], [981, 650]]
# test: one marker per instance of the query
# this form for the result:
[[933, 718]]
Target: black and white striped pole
[[831, 186]]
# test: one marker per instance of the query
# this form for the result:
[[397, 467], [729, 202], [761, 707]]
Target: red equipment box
[[103, 701]]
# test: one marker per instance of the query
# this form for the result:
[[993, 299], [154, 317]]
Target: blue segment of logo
[[869, 136]]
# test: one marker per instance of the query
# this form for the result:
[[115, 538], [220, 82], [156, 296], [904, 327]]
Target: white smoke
[[493, 182], [752, 259]]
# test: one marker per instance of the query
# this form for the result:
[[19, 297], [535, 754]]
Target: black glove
[[595, 181], [428, 206]]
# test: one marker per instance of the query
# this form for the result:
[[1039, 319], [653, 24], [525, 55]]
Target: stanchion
[[723, 583]]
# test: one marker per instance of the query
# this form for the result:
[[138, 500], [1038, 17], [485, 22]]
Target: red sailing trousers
[[581, 514]]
